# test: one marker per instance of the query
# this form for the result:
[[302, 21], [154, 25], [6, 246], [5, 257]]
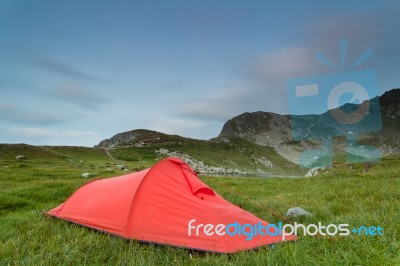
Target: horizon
[[75, 73], [93, 146]]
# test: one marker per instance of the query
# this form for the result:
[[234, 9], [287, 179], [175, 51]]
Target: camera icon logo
[[333, 105]]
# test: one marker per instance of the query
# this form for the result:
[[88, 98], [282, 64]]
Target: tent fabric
[[156, 205]]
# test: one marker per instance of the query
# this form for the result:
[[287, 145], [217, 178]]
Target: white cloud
[[283, 63], [44, 136], [183, 127], [17, 114], [263, 88], [74, 92], [218, 106], [59, 67]]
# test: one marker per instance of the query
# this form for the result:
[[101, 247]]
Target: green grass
[[50, 175]]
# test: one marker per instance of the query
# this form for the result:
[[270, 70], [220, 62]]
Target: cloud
[[62, 68], [264, 76], [282, 63], [216, 107], [49, 63], [75, 93], [263, 87], [376, 31], [208, 109], [45, 136], [181, 126], [20, 115]]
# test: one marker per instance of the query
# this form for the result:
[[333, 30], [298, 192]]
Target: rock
[[139, 144], [20, 157], [200, 166], [314, 171], [86, 175], [277, 131], [121, 167], [117, 140], [296, 212], [163, 151], [263, 161]]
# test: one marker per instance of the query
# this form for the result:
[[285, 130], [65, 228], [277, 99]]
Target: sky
[[75, 72]]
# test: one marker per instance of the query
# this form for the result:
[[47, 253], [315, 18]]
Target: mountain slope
[[274, 130], [255, 141], [235, 155]]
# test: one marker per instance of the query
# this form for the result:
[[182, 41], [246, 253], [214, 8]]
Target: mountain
[[215, 156], [390, 111], [263, 128], [274, 130], [265, 142]]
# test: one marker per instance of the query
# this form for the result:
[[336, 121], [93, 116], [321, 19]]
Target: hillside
[[262, 142], [215, 156], [274, 130], [235, 156]]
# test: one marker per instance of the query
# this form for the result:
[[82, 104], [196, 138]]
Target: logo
[[249, 231], [334, 105]]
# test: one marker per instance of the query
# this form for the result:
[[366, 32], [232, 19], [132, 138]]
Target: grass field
[[49, 175]]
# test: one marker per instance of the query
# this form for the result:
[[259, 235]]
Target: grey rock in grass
[[121, 167], [296, 212], [86, 175], [19, 157], [314, 171]]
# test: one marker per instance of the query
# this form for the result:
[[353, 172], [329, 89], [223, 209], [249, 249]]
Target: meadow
[[344, 194]]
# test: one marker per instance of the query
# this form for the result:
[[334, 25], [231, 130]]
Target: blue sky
[[76, 72]]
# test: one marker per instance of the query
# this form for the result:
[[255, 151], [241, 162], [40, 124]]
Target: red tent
[[166, 204]]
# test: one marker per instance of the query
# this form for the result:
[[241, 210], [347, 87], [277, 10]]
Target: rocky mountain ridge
[[273, 130], [218, 155]]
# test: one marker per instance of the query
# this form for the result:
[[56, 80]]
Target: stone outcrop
[[200, 166]]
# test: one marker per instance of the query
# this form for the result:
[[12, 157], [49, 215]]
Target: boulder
[[121, 167], [314, 171], [296, 212], [86, 175]]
